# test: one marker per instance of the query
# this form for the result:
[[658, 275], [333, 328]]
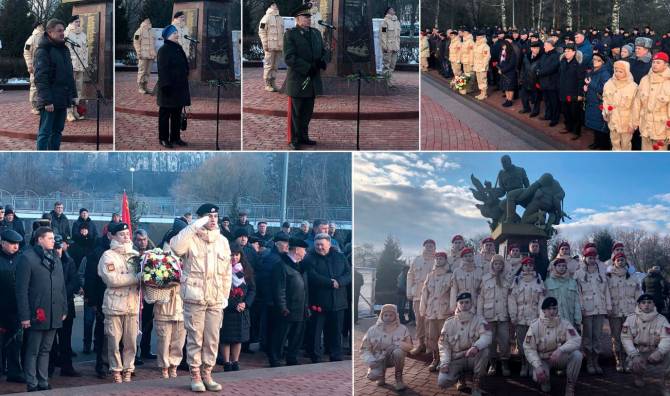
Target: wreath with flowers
[[161, 271]]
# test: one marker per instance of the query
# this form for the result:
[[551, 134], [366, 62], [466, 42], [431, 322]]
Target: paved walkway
[[389, 122], [424, 383], [18, 127]]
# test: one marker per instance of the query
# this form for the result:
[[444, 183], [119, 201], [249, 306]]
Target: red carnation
[[667, 123], [568, 99], [660, 143], [610, 108], [537, 85], [168, 266], [318, 309], [313, 308], [600, 107], [655, 147], [40, 315], [165, 260]]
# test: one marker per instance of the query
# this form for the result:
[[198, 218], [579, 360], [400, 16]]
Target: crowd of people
[[471, 306], [616, 83], [240, 287]]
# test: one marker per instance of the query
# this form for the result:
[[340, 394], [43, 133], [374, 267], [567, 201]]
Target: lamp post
[[132, 179]]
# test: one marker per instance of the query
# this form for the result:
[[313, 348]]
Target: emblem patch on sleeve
[[110, 267], [667, 330], [27, 47], [262, 25], [529, 339], [137, 37], [625, 329], [572, 332], [383, 30]]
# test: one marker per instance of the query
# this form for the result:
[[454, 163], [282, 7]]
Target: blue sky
[[419, 195]]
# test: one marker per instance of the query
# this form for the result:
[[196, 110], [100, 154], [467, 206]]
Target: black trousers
[[301, 114], [169, 124], [401, 302], [147, 327], [572, 111], [10, 352], [61, 350], [100, 343], [283, 331], [329, 324], [552, 110], [531, 97]]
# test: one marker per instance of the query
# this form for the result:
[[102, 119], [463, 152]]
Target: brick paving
[[389, 122], [424, 383], [137, 119], [18, 127]]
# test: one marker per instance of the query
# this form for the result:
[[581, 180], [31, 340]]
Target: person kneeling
[[386, 344], [552, 342], [458, 352], [647, 350]]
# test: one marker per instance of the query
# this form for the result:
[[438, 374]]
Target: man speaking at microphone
[[305, 57], [54, 80]]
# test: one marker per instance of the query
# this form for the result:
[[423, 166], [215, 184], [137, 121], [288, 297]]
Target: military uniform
[[512, 266], [465, 280], [624, 291], [492, 305], [205, 286], [596, 302], [424, 52], [305, 56], [390, 43], [143, 41], [79, 67], [482, 56], [183, 31], [618, 101], [271, 32], [653, 102], [545, 336], [170, 331], [461, 332], [455, 46], [523, 304], [28, 54], [434, 306], [416, 277], [121, 305], [468, 53]]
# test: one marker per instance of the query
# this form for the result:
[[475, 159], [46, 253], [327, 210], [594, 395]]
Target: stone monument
[[542, 201]]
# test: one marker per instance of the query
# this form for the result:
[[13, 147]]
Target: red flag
[[125, 213]]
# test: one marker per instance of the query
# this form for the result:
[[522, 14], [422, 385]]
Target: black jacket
[[40, 284], [92, 229], [8, 311], [72, 282], [529, 68], [268, 261], [173, 71], [54, 77], [16, 225], [639, 69], [320, 271], [572, 80], [81, 248], [548, 70], [94, 287], [290, 289], [60, 224], [655, 285]]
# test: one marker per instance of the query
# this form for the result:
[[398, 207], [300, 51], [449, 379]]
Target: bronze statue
[[513, 180]]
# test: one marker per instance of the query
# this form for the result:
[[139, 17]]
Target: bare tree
[[43, 9]]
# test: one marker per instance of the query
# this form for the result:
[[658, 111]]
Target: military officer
[[121, 303], [552, 342], [390, 42], [74, 33], [416, 277], [28, 53], [457, 244], [434, 304], [305, 56], [143, 41], [467, 51], [481, 63], [205, 287], [455, 45], [653, 101], [179, 21], [646, 338], [464, 345], [271, 32]]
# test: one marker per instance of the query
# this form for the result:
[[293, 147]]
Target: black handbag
[[184, 119]]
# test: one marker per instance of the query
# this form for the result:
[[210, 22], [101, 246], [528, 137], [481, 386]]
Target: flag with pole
[[125, 212]]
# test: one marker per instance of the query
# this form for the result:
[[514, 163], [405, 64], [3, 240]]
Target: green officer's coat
[[303, 49]]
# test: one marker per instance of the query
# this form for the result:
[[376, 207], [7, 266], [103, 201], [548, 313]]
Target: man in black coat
[[12, 222], [547, 72], [11, 334], [59, 221], [225, 229], [655, 285], [329, 274], [54, 80], [42, 305], [243, 222], [541, 260], [263, 310], [530, 92], [84, 219], [303, 231], [172, 88], [640, 66], [94, 293], [262, 234], [570, 91], [289, 295]]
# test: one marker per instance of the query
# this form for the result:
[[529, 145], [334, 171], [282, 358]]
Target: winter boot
[[117, 376], [70, 115], [475, 391], [127, 376], [433, 367], [525, 372], [165, 372], [142, 88], [618, 356], [196, 380], [492, 368], [272, 84], [207, 379], [399, 385], [505, 368], [421, 348], [268, 86], [173, 371], [596, 365], [590, 368], [570, 389]]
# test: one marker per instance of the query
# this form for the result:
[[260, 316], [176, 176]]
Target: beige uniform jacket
[[389, 34], [459, 335], [183, 31], [416, 276], [271, 31], [545, 336], [653, 96], [573, 264], [482, 54], [512, 266], [525, 299], [645, 333], [465, 281], [31, 45], [492, 302], [206, 271], [594, 293], [79, 37], [624, 293], [173, 310], [122, 296], [376, 342], [455, 50], [143, 41], [622, 101], [435, 294], [468, 50]]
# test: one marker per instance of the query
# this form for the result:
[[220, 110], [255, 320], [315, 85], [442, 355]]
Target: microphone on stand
[[67, 40], [324, 24], [189, 38]]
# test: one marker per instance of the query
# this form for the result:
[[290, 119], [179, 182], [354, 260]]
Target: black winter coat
[[173, 90], [290, 289], [528, 73], [320, 270], [60, 224], [639, 69], [94, 287], [572, 80], [54, 77], [40, 284], [267, 262], [655, 285], [16, 225], [8, 311], [508, 69], [548, 70], [81, 248], [72, 282], [92, 229]]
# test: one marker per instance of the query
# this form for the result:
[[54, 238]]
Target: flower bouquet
[[160, 271], [461, 83]]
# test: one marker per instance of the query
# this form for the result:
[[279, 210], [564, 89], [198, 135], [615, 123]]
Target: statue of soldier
[[513, 180]]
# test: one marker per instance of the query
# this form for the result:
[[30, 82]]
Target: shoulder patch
[[572, 332], [667, 330], [137, 37], [263, 25], [384, 30], [27, 47], [529, 338], [624, 329], [110, 267], [487, 326]]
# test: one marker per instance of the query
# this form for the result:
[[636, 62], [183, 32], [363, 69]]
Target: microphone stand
[[98, 97]]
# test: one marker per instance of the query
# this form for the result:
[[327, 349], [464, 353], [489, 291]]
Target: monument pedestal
[[507, 234]]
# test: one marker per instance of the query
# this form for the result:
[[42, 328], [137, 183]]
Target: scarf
[[464, 316], [238, 274], [207, 235], [646, 317], [123, 248], [619, 271], [549, 322]]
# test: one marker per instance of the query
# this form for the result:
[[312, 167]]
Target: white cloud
[[581, 211], [662, 197]]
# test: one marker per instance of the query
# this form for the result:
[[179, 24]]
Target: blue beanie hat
[[168, 31]]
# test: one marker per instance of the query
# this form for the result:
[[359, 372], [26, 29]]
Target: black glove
[[322, 64], [313, 70]]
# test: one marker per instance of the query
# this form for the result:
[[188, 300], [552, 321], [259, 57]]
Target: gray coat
[[40, 284]]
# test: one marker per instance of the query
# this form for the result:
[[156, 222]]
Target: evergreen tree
[[604, 242], [121, 24], [388, 268], [16, 23]]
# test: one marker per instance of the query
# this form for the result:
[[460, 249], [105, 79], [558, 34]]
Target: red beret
[[527, 260], [559, 261], [441, 254], [487, 240], [457, 238], [564, 243], [663, 56], [590, 252], [618, 256], [513, 246], [465, 251], [588, 245], [427, 241], [617, 245]]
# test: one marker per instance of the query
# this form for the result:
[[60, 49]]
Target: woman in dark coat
[[236, 320], [173, 92], [593, 117], [507, 69]]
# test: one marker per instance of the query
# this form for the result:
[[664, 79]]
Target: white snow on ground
[[17, 81]]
